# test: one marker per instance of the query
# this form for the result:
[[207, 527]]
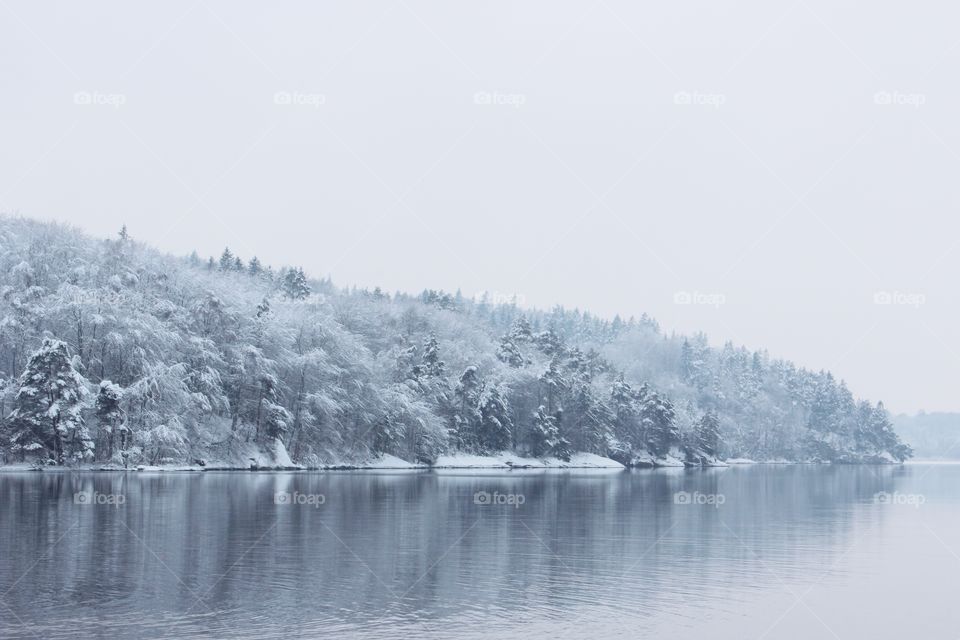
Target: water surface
[[744, 552]]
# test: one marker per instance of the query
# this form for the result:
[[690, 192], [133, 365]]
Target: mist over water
[[763, 551]]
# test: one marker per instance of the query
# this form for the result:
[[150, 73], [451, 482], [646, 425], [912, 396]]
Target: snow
[[280, 455], [506, 460], [387, 461]]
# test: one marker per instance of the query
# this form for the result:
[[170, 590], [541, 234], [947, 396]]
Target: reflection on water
[[765, 551]]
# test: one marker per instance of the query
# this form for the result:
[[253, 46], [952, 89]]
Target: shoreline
[[420, 468]]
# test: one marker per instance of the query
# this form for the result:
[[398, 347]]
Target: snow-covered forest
[[112, 353]]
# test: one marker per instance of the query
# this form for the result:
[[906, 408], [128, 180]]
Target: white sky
[[578, 175]]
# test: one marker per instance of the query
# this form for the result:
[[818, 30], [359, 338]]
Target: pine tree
[[238, 264], [226, 260], [545, 438], [49, 401], [590, 421], [495, 424], [254, 268], [432, 366], [686, 361], [521, 332], [657, 422], [550, 343], [623, 403], [466, 423], [552, 385], [509, 353], [708, 435], [542, 433], [295, 285]]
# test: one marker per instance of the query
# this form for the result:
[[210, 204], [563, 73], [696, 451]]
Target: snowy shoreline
[[459, 462]]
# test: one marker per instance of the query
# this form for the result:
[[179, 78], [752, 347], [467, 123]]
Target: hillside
[[111, 352]]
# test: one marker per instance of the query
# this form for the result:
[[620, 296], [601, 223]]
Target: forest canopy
[[111, 352]]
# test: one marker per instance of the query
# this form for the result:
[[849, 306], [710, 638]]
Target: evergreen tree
[[686, 361], [466, 424], [545, 438], [496, 426], [623, 404], [552, 386], [49, 400], [521, 332], [657, 422], [254, 268], [549, 343], [708, 435], [590, 421], [295, 285], [227, 260], [432, 366], [509, 353]]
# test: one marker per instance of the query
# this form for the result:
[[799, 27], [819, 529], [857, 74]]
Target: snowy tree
[[49, 401], [657, 423], [387, 435], [432, 366], [521, 332], [464, 430], [112, 431], [623, 404], [295, 285], [200, 351], [545, 438], [708, 435], [496, 427], [509, 353], [227, 260], [590, 422]]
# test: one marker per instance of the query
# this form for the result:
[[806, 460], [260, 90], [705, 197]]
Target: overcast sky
[[777, 165]]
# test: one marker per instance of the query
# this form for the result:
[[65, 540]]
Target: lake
[[791, 551]]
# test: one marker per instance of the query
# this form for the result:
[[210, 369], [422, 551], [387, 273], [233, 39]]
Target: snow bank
[[386, 461], [508, 460]]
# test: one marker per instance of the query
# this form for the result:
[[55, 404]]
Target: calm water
[[792, 552]]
